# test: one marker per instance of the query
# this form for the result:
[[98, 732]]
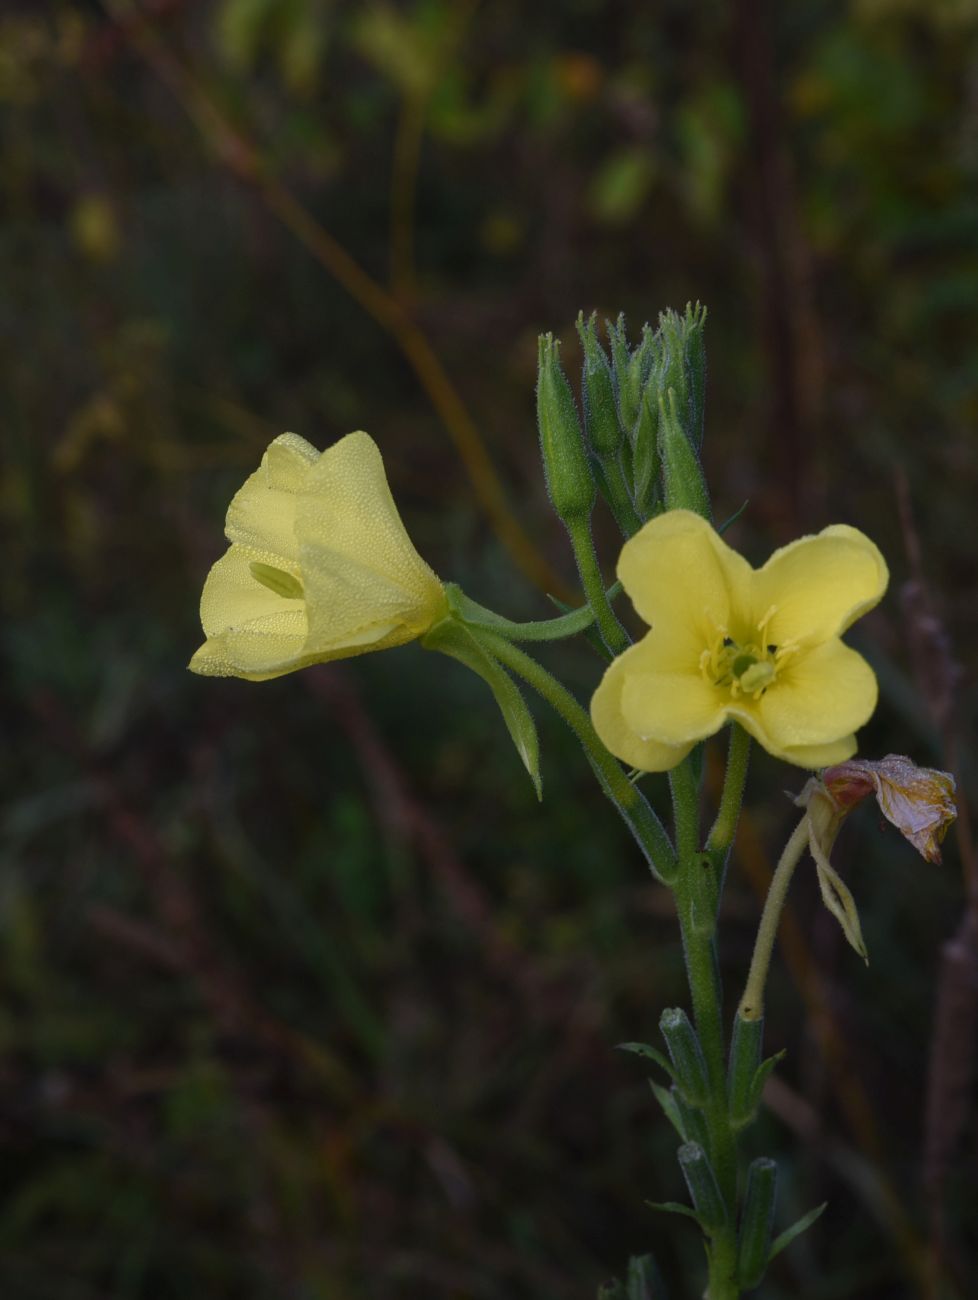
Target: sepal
[[461, 642]]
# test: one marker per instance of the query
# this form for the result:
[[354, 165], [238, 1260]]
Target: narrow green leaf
[[760, 1078], [670, 1108], [787, 1237], [461, 642], [652, 1053], [676, 1207]]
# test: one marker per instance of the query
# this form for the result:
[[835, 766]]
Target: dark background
[[303, 993]]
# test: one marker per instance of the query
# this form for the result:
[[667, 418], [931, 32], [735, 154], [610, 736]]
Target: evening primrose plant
[[320, 567]]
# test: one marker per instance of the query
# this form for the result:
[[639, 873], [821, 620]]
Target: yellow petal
[[232, 597], [359, 569], [815, 756], [617, 735], [213, 660], [262, 512], [683, 580], [819, 585], [821, 696], [672, 708]]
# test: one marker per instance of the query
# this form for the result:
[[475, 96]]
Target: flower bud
[[601, 425], [684, 487], [703, 1187], [570, 483], [686, 1055], [757, 1216]]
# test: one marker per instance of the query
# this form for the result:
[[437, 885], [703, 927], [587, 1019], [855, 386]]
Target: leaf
[[796, 1229], [670, 1108], [461, 642], [652, 1053], [675, 1207], [761, 1076]]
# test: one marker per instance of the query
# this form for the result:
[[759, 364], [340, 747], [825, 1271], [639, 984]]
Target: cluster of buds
[[643, 420]]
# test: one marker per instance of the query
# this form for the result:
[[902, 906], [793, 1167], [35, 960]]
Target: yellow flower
[[729, 642], [320, 566]]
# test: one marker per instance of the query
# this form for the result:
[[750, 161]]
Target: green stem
[[544, 629], [694, 902], [630, 802], [752, 1003], [612, 633], [728, 814], [619, 498]]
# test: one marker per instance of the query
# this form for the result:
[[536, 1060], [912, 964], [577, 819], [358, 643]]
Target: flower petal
[[617, 735], [359, 568], [672, 708], [683, 580], [819, 585], [262, 513], [233, 598], [821, 696], [815, 756]]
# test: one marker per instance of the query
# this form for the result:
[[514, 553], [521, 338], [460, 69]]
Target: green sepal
[[802, 1225], [666, 1097], [651, 1054], [686, 1055], [703, 1187], [459, 641], [757, 1216]]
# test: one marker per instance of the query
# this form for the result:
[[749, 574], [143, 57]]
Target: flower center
[[745, 667]]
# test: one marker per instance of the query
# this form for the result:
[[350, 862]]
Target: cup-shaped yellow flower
[[320, 566], [730, 643]]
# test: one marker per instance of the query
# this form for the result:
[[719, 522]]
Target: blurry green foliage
[[263, 1033]]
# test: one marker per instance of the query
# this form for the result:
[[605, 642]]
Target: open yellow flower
[[320, 566], [729, 642]]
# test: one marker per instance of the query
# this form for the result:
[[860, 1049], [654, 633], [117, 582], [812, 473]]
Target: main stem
[[696, 905]]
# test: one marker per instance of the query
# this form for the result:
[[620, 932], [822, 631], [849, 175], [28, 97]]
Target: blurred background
[[304, 995]]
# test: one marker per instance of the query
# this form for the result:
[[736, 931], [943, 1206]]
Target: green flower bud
[[745, 1057], [703, 1187], [632, 369], [757, 1216], [570, 483], [686, 1055], [684, 487], [601, 425]]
